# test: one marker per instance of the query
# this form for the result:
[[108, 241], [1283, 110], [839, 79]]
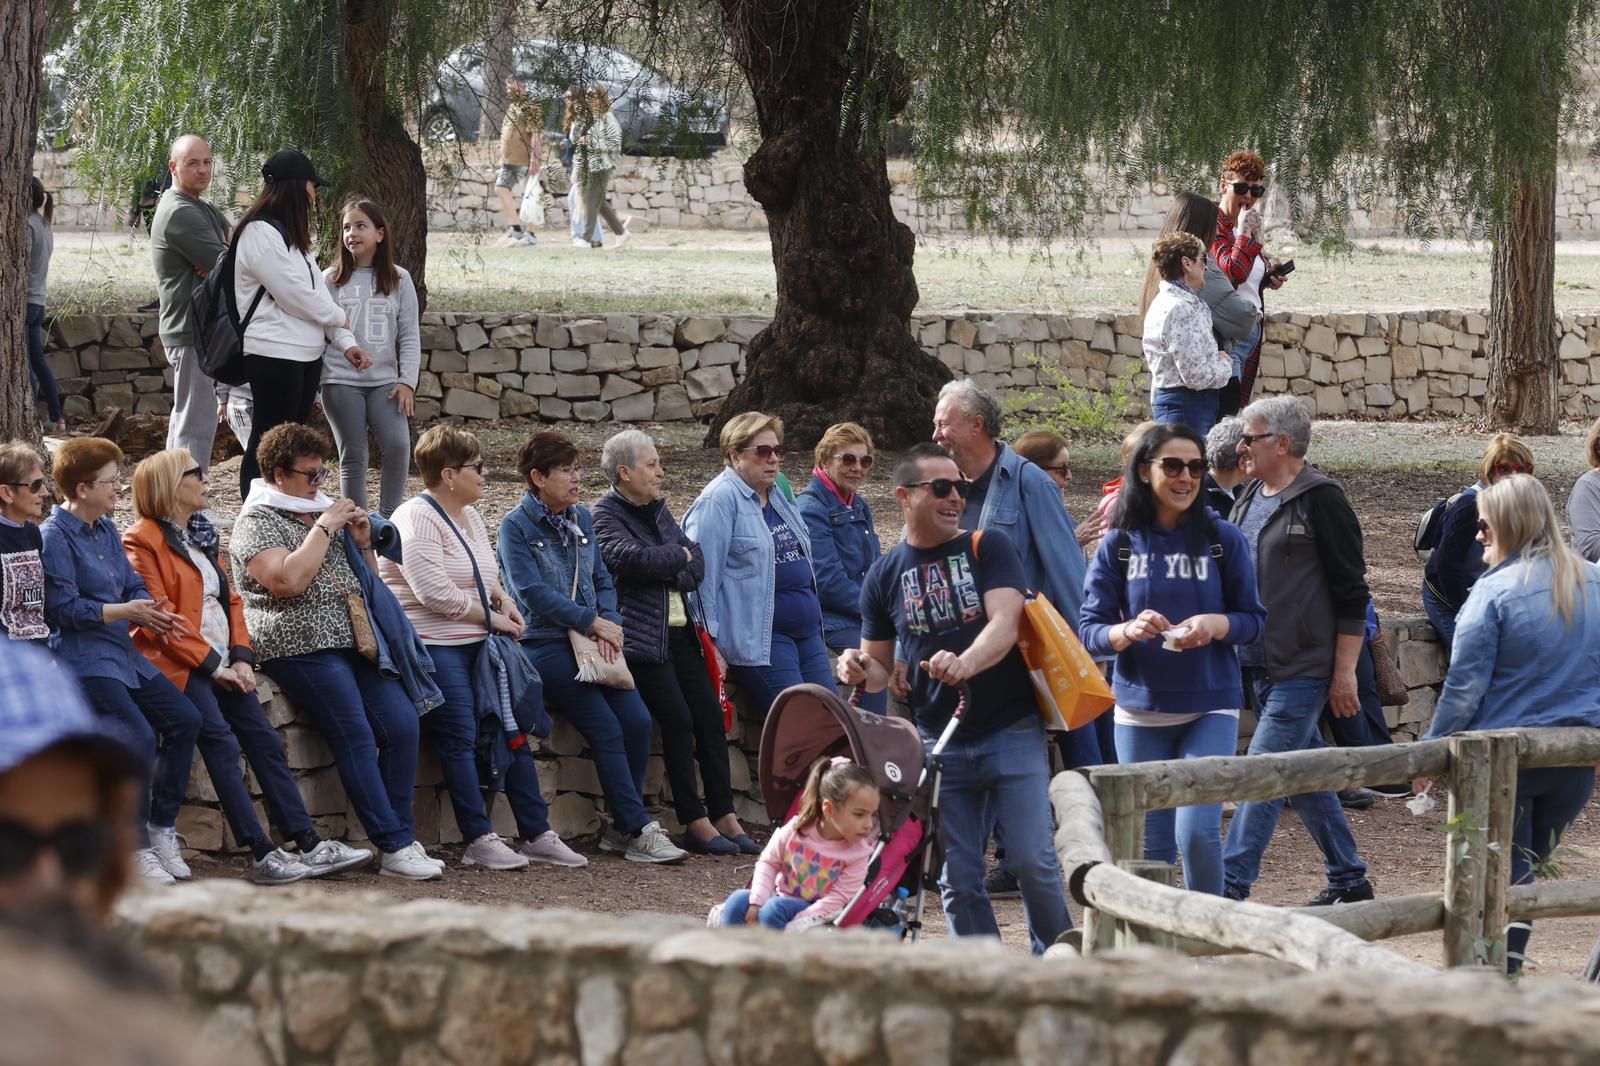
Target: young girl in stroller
[[815, 864]]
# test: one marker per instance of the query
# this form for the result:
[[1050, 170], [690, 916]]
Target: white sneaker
[[422, 854], [622, 238], [579, 242], [149, 868], [653, 845], [714, 916], [491, 852], [278, 867], [331, 856], [525, 240], [406, 863], [548, 847], [164, 843]]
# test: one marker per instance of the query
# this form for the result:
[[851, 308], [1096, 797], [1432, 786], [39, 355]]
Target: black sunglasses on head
[[1242, 187], [80, 846], [941, 486]]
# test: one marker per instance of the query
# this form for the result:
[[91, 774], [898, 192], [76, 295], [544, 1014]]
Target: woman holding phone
[[1237, 248]]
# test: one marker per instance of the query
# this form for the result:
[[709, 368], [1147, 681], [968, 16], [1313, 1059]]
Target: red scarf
[[822, 475]]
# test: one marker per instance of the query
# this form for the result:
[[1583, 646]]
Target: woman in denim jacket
[[543, 540], [1527, 654], [844, 541], [759, 595]]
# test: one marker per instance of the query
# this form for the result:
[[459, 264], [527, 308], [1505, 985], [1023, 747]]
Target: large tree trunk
[[388, 166], [22, 29], [1523, 336], [839, 347]]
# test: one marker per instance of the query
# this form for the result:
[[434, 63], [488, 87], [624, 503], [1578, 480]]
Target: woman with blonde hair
[[597, 149], [1456, 562], [174, 549], [759, 594], [1523, 657]]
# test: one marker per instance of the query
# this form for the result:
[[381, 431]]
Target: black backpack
[[214, 312]]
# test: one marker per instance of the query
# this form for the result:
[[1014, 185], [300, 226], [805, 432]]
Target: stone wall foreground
[[296, 977], [662, 368]]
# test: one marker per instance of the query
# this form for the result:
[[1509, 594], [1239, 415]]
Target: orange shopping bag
[[1066, 680]]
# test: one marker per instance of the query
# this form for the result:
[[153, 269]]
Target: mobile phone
[[1283, 269]]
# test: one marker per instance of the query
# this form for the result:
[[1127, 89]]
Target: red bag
[[708, 653]]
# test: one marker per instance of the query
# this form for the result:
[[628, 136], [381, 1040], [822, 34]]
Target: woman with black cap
[[297, 316]]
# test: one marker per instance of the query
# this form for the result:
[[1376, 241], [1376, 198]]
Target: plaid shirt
[[1235, 255]]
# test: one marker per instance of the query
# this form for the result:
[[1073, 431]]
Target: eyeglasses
[[313, 477], [1483, 527], [1249, 439], [851, 459], [194, 472], [1172, 466], [478, 466], [1507, 469], [81, 846], [1242, 187], [941, 486], [115, 481], [767, 451], [36, 485], [1060, 470]]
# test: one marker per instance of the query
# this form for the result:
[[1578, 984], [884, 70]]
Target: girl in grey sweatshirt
[[382, 304]]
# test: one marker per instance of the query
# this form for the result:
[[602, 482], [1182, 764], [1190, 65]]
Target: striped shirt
[[435, 584]]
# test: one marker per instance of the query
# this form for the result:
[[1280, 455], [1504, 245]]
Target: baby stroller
[[807, 722]]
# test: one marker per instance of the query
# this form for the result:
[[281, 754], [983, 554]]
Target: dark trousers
[[1548, 802], [44, 379], [680, 698], [453, 728], [371, 725], [284, 392], [1367, 729], [231, 722], [153, 711]]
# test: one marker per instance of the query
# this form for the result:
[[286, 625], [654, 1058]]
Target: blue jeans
[[453, 728], [775, 913], [1548, 801], [1288, 716], [1194, 831], [612, 721], [156, 709], [1442, 617], [44, 379], [1195, 408], [230, 722], [371, 725], [794, 661], [1242, 348], [1089, 745], [1001, 779]]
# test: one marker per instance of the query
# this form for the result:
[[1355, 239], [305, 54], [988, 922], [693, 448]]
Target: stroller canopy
[[808, 721]]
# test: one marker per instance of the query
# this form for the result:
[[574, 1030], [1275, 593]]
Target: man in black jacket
[[1307, 546]]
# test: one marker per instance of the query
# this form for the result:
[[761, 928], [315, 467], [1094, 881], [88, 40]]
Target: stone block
[[304, 748], [569, 360], [514, 335], [719, 353], [573, 815], [587, 331], [1283, 333], [509, 381], [492, 360], [458, 381], [433, 335], [63, 364], [1354, 325], [1435, 334], [539, 385], [1409, 332], [554, 409], [661, 375], [931, 333], [1372, 346], [1350, 370], [534, 361], [108, 396], [637, 408], [1103, 339], [201, 827], [135, 359], [672, 403], [1573, 346], [610, 356], [651, 357], [316, 1006], [470, 336], [656, 331], [1330, 401], [622, 328], [1320, 340], [704, 383], [617, 386], [469, 403], [1405, 362], [75, 331], [591, 411], [447, 361], [428, 384], [551, 333], [1421, 663], [153, 404], [1380, 370], [577, 386], [515, 403], [1432, 358], [1379, 396]]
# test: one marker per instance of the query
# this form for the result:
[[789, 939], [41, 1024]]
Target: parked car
[[657, 117]]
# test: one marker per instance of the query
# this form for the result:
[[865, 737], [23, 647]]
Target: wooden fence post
[[1466, 848], [1129, 933], [1498, 825], [1122, 805]]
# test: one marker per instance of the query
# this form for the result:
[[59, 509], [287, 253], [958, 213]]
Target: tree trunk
[[22, 28], [498, 65], [388, 163], [839, 347], [1524, 371]]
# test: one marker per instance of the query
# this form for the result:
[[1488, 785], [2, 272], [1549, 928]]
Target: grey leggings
[[352, 410], [596, 184]]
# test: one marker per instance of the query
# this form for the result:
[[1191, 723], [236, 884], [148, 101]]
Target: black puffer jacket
[[643, 549]]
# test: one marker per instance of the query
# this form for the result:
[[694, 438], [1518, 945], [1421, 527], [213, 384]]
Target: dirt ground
[[1405, 853]]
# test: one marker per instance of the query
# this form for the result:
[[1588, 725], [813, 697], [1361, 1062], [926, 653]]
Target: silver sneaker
[[491, 852], [278, 867], [149, 868], [549, 848], [614, 841], [653, 845], [332, 856], [164, 843]]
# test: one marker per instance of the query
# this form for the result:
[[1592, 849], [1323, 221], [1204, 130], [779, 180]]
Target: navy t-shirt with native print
[[21, 582], [931, 599]]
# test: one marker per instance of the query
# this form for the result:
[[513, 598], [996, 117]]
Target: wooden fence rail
[[1100, 840]]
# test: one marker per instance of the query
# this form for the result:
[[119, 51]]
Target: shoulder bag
[[592, 666]]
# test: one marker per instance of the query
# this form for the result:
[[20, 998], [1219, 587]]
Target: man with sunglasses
[[952, 599], [23, 492]]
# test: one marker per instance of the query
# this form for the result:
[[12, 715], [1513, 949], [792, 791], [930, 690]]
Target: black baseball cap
[[290, 165]]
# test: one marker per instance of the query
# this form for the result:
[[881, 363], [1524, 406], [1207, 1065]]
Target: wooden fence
[[1100, 839]]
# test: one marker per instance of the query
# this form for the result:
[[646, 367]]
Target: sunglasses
[[477, 466], [1060, 469], [1242, 187], [80, 846], [195, 472], [1507, 469], [767, 451], [313, 477], [1172, 466], [941, 486], [851, 459], [1483, 528], [36, 485], [1249, 439]]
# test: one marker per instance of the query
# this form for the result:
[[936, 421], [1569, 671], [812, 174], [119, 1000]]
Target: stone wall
[[299, 977], [639, 368]]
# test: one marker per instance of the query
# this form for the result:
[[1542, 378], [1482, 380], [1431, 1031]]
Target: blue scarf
[[201, 533], [565, 527]]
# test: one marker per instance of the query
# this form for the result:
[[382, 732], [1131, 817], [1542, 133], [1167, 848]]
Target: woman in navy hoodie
[[1170, 593]]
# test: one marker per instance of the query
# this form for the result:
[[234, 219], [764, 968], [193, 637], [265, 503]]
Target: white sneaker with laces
[[150, 870], [406, 863], [164, 843], [332, 856], [622, 238], [653, 845], [491, 852], [278, 867], [579, 242], [422, 854], [548, 847]]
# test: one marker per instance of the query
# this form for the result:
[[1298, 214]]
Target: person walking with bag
[[597, 149]]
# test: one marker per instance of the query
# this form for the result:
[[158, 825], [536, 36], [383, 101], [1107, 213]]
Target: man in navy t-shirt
[[954, 604]]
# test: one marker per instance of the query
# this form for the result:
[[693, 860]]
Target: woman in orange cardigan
[[174, 549]]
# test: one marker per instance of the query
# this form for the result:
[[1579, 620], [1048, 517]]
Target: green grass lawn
[[680, 271]]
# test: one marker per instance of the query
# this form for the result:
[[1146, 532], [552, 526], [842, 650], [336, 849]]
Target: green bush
[[1077, 412]]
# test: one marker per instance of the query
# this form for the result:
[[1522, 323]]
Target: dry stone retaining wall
[[661, 368], [296, 977]]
